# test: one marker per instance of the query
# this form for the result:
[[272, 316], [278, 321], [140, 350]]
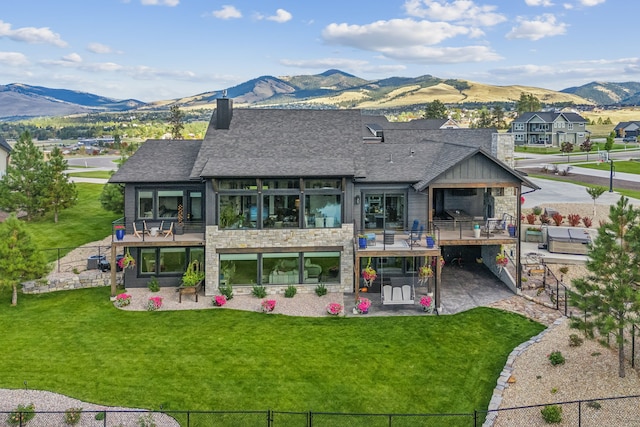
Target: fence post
[[579, 413], [633, 346]]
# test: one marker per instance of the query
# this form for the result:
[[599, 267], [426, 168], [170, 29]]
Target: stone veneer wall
[[340, 238], [86, 279]]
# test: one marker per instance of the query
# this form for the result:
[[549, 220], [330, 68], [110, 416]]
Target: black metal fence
[[611, 411], [65, 260]]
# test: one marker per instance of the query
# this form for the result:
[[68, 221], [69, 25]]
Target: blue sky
[[162, 49]]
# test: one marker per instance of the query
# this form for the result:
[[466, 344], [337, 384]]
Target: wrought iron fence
[[613, 411]]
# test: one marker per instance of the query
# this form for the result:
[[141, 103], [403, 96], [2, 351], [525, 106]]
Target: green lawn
[[620, 166], [86, 222], [92, 174], [76, 343]]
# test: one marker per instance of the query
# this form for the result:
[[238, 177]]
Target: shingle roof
[[273, 142], [5, 145], [159, 160], [550, 116]]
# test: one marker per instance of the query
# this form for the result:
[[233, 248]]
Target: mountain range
[[331, 89]]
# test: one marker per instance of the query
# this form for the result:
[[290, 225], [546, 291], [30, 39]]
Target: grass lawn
[[76, 343], [92, 174], [620, 166], [86, 222], [628, 193]]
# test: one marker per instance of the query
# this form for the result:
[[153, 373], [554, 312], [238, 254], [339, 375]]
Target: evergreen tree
[[62, 193], [20, 258], [176, 122], [435, 110], [23, 187], [595, 192], [485, 120], [112, 196], [498, 117], [527, 103], [607, 298]]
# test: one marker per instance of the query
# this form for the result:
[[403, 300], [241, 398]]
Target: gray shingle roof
[[550, 116], [159, 160], [5, 145], [273, 142]]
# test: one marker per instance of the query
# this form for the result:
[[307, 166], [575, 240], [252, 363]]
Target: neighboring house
[[549, 129], [5, 151], [277, 197], [625, 129]]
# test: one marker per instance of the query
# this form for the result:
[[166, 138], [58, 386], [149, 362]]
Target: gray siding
[[477, 169]]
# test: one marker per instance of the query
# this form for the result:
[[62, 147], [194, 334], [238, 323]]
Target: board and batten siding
[[478, 169]]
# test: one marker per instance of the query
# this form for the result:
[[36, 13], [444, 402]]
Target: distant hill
[[605, 93], [22, 101], [331, 89]]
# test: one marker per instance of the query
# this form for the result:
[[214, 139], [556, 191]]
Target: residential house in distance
[[627, 129], [5, 151], [543, 128], [278, 197]]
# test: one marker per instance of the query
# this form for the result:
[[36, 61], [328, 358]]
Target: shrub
[[21, 415], [531, 218], [552, 414], [587, 221], [100, 416], [537, 210], [259, 291], [219, 300], [268, 305], [334, 308], [123, 300], [154, 303], [72, 416], [573, 219], [76, 271], [557, 218], [564, 269], [146, 420], [556, 358], [594, 404], [321, 290], [290, 292], [226, 290], [544, 219], [575, 340], [153, 284]]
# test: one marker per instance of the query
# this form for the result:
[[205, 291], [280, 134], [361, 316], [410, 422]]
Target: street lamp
[[611, 169]]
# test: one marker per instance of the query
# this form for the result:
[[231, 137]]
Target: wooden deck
[[186, 239]]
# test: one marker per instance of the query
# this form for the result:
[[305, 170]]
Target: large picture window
[[280, 268], [280, 203], [166, 203], [170, 261]]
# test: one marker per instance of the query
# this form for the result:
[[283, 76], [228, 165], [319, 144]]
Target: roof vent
[[376, 131]]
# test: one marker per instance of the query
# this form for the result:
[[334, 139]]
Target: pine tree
[[23, 187], [607, 298], [435, 110], [62, 192], [175, 122], [20, 258]]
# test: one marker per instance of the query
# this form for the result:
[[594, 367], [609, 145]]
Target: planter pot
[[512, 230], [362, 243], [430, 242], [476, 233], [120, 234]]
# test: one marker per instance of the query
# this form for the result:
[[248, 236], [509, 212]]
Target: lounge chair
[[166, 228], [140, 228]]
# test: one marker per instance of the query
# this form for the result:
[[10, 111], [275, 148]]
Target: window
[[518, 126], [280, 268], [384, 211], [570, 126], [145, 204], [167, 261], [279, 203], [168, 203], [165, 203]]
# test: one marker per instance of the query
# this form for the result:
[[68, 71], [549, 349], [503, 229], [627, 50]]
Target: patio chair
[[140, 228], [414, 239], [166, 228]]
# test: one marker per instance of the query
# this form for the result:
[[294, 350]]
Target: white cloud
[[227, 12], [160, 2], [461, 11], [13, 59], [542, 26], [544, 3], [72, 57], [443, 55], [590, 3], [31, 35], [281, 16], [99, 48], [354, 66], [396, 33]]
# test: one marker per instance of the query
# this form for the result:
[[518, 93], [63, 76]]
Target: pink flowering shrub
[[425, 301], [219, 300], [334, 308], [123, 300], [154, 303], [363, 305], [268, 305]]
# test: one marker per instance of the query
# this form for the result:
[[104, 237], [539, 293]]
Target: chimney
[[224, 112]]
